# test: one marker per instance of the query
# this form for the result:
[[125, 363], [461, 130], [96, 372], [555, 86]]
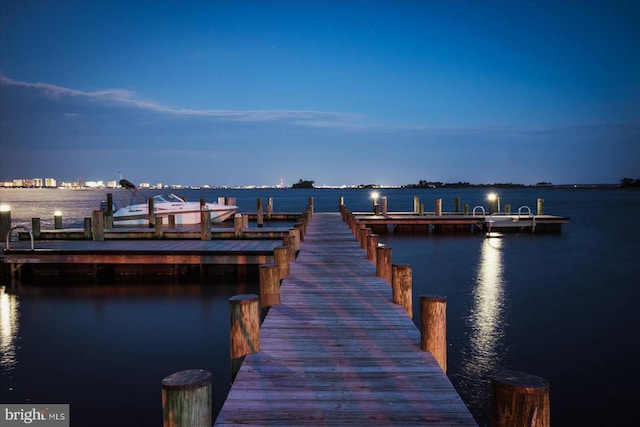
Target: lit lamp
[[57, 220], [494, 203], [5, 221], [374, 201]]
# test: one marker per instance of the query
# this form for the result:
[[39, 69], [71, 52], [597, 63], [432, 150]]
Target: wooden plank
[[337, 350]]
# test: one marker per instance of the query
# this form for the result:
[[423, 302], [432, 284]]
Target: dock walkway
[[338, 351]]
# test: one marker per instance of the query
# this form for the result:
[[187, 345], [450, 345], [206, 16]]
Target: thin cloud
[[128, 98]]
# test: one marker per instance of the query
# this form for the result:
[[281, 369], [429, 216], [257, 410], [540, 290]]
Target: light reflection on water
[[9, 325], [485, 322]]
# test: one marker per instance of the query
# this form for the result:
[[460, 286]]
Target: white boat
[[184, 213]]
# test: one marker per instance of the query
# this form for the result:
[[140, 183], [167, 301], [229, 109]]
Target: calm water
[[559, 306]]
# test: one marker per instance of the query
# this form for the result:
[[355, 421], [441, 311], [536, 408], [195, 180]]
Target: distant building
[[50, 182]]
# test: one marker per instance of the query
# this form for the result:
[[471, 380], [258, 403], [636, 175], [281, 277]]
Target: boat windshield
[[167, 198]]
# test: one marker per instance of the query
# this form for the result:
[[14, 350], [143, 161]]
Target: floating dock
[[338, 351]]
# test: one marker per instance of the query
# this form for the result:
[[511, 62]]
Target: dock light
[[57, 220], [494, 202], [374, 201]]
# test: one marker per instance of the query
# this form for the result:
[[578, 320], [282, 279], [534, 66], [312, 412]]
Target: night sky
[[339, 92]]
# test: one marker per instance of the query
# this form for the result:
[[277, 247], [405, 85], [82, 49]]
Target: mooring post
[[187, 399], [86, 226], [171, 221], [383, 263], [402, 283], [108, 219], [205, 225], [383, 203], [237, 225], [159, 232], [244, 329], [5, 222], [364, 232], [416, 204], [97, 225], [457, 204], [151, 211], [260, 219], [540, 206], [269, 208], [438, 207], [269, 287], [281, 255], [57, 220], [35, 228], [295, 232], [372, 247], [310, 204], [433, 327], [519, 400]]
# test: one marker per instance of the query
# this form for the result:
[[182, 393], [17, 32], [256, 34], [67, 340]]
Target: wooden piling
[[187, 399], [383, 203], [260, 218], [108, 217], [364, 232], [97, 225], [281, 255], [457, 205], [205, 225], [237, 225], [269, 286], [57, 221], [295, 232], [372, 247], [416, 204], [433, 327], [269, 208], [519, 400], [401, 285], [5, 224], [438, 207], [383, 263], [151, 212], [540, 206], [244, 329], [35, 228], [172, 221], [86, 227], [158, 232]]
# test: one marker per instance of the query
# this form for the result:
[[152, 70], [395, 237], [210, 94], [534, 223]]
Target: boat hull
[[139, 215]]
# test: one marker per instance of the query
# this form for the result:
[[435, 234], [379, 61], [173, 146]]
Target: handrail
[[524, 207], [16, 227], [479, 207]]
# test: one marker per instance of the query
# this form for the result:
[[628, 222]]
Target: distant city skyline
[[241, 93]]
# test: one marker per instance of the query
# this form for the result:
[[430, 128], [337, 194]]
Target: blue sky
[[339, 92]]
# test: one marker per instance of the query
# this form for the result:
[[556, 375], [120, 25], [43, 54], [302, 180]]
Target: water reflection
[[486, 324], [8, 329]]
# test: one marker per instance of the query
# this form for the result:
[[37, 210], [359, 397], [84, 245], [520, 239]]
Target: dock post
[[171, 221], [159, 232], [465, 209], [421, 210], [402, 283], [295, 232], [364, 232], [310, 204], [269, 287], [519, 399], [205, 225], [540, 206], [5, 222], [383, 263], [289, 242], [237, 224], [433, 327], [507, 208], [151, 212], [416, 204], [57, 220], [87, 228], [269, 208], [187, 399], [244, 329], [35, 228], [438, 207], [260, 218], [108, 220], [372, 247], [97, 225], [282, 258], [457, 204], [383, 202], [300, 227]]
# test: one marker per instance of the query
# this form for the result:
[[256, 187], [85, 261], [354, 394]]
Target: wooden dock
[[337, 350]]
